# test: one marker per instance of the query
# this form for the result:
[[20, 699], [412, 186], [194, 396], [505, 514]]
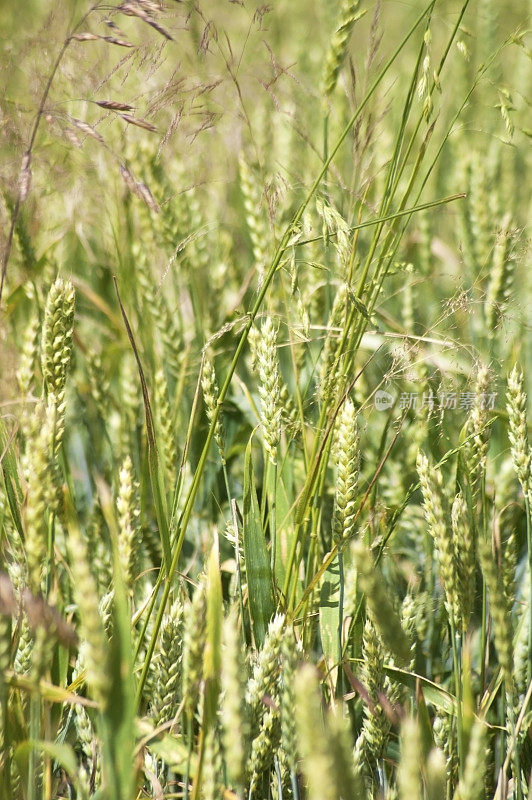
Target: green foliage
[[265, 487]]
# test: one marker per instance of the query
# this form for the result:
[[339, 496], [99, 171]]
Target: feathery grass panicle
[[433, 497], [423, 92], [382, 613], [127, 504], [517, 429], [288, 226], [346, 456]]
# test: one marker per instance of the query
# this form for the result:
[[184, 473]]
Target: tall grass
[[266, 475]]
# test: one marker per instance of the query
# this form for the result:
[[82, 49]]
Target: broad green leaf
[[62, 754], [431, 691], [11, 479], [259, 577], [283, 516], [425, 726], [328, 614], [49, 692]]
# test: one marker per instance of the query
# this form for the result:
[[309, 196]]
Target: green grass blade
[[257, 561]]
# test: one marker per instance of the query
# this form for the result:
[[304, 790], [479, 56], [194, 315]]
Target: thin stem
[[529, 546], [295, 784], [457, 668], [273, 521], [340, 616]]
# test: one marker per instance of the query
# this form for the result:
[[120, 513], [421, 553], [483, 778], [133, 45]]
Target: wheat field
[[266, 475]]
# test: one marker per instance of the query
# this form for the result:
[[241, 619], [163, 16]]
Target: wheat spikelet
[[266, 668], [432, 487], [39, 487], [166, 427], [349, 14], [287, 698], [478, 429], [517, 429], [57, 336], [211, 392], [99, 384], [263, 747], [256, 224], [166, 673], [127, 504], [465, 549], [269, 386], [375, 728], [193, 646], [26, 371], [346, 456], [501, 276]]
